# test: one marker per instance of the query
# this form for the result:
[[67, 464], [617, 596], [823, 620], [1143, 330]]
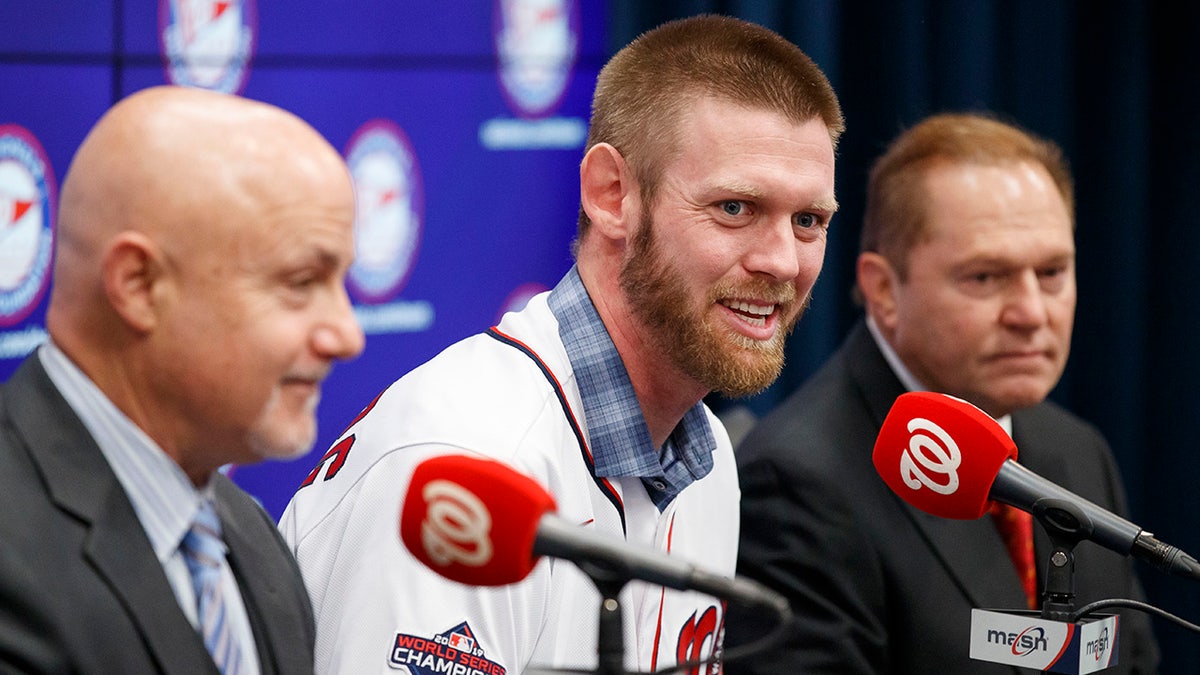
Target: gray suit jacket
[[879, 587], [81, 590]]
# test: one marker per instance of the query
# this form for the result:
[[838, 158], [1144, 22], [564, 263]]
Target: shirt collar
[[617, 431], [163, 498]]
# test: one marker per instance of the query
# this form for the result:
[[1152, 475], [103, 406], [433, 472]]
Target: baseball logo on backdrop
[[390, 205], [537, 46], [390, 208], [207, 43], [27, 199], [537, 42]]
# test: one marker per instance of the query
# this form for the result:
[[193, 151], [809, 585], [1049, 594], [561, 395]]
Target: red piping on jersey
[[364, 412], [605, 486], [662, 600]]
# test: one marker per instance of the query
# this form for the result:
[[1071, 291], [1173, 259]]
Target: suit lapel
[[80, 482], [270, 581], [120, 552], [970, 550]]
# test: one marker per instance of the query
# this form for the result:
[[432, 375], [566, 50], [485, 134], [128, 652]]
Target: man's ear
[[132, 267], [878, 281], [608, 191]]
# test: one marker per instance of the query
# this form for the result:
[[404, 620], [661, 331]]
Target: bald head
[[167, 160], [203, 241]]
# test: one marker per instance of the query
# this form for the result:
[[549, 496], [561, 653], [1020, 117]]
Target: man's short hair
[[646, 88], [895, 214]]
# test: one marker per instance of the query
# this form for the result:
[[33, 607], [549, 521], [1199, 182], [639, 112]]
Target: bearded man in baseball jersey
[[707, 189]]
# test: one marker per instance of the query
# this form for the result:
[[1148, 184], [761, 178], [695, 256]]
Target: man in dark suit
[[198, 303], [967, 272]]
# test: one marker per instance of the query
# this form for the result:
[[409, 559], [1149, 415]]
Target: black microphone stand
[[1067, 525], [610, 647], [610, 575]]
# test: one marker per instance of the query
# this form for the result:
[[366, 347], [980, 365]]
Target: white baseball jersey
[[379, 610]]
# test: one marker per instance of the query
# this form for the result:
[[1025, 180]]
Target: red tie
[[1016, 529]]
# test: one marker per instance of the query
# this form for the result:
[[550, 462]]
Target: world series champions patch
[[453, 652]]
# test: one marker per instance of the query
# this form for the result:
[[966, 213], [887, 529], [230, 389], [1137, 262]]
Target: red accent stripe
[[1066, 643], [570, 413], [662, 600], [364, 412], [549, 374]]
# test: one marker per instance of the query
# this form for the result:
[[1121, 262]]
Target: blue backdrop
[[479, 111]]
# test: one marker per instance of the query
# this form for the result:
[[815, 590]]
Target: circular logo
[[929, 456], [519, 297], [456, 525], [390, 204], [207, 43], [537, 42], [27, 202]]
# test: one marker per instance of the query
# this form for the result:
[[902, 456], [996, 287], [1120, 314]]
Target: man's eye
[[733, 208], [806, 220]]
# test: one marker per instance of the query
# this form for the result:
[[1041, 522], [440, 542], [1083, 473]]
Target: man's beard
[[270, 438], [721, 360]]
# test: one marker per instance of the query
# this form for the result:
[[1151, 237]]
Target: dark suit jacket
[[879, 587], [81, 590]]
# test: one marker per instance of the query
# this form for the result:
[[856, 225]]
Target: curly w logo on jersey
[[699, 638], [453, 652]]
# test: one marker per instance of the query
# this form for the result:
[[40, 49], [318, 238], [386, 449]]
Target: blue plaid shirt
[[618, 435]]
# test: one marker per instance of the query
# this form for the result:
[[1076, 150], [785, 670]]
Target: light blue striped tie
[[204, 552]]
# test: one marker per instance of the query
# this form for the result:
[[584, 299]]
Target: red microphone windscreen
[[941, 454], [473, 520]]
